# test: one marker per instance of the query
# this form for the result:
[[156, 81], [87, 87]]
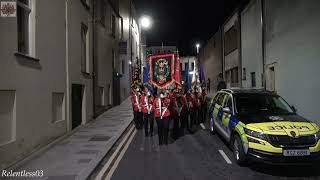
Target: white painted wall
[[292, 37], [251, 44]]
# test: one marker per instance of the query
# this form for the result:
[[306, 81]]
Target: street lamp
[[145, 22], [198, 46]]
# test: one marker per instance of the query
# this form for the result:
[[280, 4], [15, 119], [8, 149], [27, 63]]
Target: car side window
[[215, 100], [220, 99], [228, 103]]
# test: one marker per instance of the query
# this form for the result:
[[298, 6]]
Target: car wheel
[[212, 129], [238, 151]]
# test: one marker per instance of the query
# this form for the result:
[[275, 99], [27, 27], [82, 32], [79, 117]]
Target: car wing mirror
[[226, 110], [294, 108]]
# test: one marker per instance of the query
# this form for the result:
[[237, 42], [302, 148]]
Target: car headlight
[[317, 136], [256, 134]]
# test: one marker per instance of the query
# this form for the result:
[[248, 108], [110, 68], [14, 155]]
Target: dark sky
[[184, 22]]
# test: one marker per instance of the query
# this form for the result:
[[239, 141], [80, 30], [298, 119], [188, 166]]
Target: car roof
[[247, 91]]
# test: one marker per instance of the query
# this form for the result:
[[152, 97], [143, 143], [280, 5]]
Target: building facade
[[210, 57], [130, 46], [231, 51], [63, 60]]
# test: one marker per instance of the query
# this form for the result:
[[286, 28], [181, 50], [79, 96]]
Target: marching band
[[184, 108]]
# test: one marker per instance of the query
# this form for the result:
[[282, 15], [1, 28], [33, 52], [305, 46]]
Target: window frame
[[26, 8], [85, 67]]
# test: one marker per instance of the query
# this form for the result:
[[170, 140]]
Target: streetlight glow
[[145, 22], [198, 46]]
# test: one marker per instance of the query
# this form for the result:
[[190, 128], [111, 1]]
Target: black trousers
[[176, 126], [190, 118], [148, 123], [163, 129], [197, 116], [138, 121], [204, 113]]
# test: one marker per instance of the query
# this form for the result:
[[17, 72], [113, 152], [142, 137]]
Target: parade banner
[[162, 69]]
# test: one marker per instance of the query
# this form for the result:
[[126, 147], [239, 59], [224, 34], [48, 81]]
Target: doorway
[[77, 97]]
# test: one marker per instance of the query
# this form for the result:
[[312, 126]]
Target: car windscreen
[[261, 103]]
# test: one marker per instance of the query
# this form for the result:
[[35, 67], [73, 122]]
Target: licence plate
[[297, 152]]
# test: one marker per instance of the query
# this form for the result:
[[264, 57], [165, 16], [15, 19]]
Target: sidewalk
[[76, 156]]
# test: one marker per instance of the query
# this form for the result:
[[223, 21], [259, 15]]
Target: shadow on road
[[286, 171]]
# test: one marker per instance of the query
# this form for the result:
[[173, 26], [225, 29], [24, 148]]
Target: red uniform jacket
[[164, 110], [189, 103], [135, 103], [204, 99], [198, 100], [147, 104], [179, 107]]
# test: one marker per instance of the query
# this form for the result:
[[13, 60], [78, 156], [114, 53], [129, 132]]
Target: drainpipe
[[263, 43], [67, 69], [93, 62]]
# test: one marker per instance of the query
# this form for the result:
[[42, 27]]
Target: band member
[[197, 109], [181, 110], [135, 100], [204, 105], [147, 109], [162, 114], [174, 113], [190, 110]]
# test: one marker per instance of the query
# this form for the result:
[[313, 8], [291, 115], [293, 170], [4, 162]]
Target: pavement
[[76, 156]]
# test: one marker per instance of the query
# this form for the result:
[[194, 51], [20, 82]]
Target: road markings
[[202, 125], [116, 163], [225, 156], [106, 166]]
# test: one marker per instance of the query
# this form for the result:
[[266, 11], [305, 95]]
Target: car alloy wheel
[[236, 150], [211, 125]]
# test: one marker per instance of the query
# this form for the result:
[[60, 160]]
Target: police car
[[260, 125]]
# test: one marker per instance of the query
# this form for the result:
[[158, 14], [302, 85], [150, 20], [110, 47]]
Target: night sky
[[185, 22]]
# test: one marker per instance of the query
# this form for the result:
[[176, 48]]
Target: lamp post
[[145, 23]]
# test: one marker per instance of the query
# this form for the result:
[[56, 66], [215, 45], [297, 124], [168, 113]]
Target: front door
[[77, 95]]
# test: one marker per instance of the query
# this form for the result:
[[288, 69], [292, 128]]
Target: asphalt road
[[195, 156]]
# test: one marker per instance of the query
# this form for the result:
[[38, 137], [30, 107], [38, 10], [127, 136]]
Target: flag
[[202, 76], [146, 74], [177, 75], [188, 79]]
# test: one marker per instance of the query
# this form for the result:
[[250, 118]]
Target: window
[[192, 66], [86, 3], [263, 104], [113, 25], [58, 107], [23, 20], [244, 74], [234, 75], [230, 40], [228, 103], [219, 98], [121, 28], [102, 12], [186, 66], [7, 116], [123, 67], [84, 49], [113, 60], [253, 79]]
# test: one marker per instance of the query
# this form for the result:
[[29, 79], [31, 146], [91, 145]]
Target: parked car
[[261, 126]]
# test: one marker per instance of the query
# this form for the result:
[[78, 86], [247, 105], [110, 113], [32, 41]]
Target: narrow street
[[193, 156]]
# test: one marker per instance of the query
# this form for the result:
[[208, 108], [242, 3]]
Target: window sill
[[18, 54], [86, 75]]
